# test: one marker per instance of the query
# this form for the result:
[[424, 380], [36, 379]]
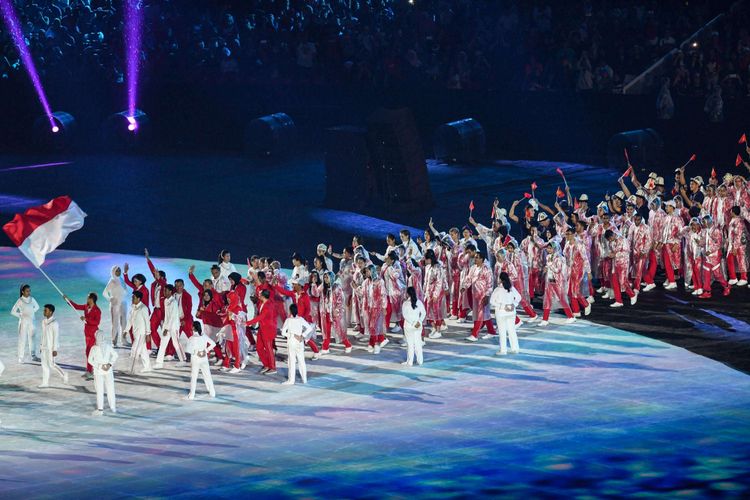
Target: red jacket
[[265, 286], [142, 289], [266, 320], [210, 313], [241, 291], [302, 300], [187, 313], [161, 283], [92, 317]]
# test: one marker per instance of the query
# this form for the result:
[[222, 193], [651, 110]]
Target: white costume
[[114, 292], [170, 330], [221, 284], [198, 346], [139, 321], [227, 268], [504, 303], [293, 327], [101, 355], [413, 334], [24, 310], [47, 345]]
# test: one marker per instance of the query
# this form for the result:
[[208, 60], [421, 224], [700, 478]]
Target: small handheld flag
[[713, 173], [471, 206], [738, 160], [743, 139], [526, 195], [560, 193], [576, 205]]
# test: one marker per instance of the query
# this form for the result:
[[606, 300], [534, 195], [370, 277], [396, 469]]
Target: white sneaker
[[234, 370], [577, 315], [316, 356], [463, 320], [514, 351], [601, 290], [325, 351], [742, 283], [169, 358], [97, 413], [590, 299], [698, 291], [471, 338], [43, 386], [488, 336], [435, 335], [616, 304], [544, 322], [689, 286], [733, 281], [532, 319], [634, 298], [570, 320], [670, 286], [384, 343], [501, 353], [218, 362], [287, 382], [348, 350], [443, 327], [402, 343], [587, 311], [188, 398], [606, 295], [395, 329], [376, 349], [406, 363], [649, 287], [370, 348], [452, 317]]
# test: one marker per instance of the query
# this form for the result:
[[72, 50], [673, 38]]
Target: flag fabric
[[743, 139], [533, 185], [560, 193], [692, 158], [713, 173], [526, 195], [627, 172], [40, 230], [471, 206], [576, 205], [738, 160], [492, 215]]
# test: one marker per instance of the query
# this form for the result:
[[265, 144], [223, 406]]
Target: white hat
[[620, 195], [534, 204], [660, 181], [670, 203], [583, 197], [294, 281], [641, 193], [322, 246], [632, 199], [542, 216], [652, 175], [698, 179]]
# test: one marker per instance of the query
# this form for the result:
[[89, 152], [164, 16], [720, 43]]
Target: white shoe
[[501, 353], [188, 398], [234, 370], [435, 334], [463, 320], [452, 317], [443, 327], [601, 290], [43, 386], [471, 338], [607, 296], [287, 382], [402, 343], [158, 366], [577, 315], [370, 348], [570, 320], [488, 336], [376, 349], [223, 369], [395, 329], [147, 370], [532, 319], [742, 283], [616, 304], [97, 413], [649, 287], [634, 298], [670, 286], [384, 343], [698, 291], [348, 350], [544, 322], [733, 281], [406, 363], [316, 356], [689, 287], [169, 358], [218, 362], [325, 351], [587, 311], [590, 299]]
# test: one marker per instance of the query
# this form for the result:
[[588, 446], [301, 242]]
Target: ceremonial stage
[[584, 409]]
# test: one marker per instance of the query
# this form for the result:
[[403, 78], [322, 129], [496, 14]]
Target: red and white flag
[[40, 230]]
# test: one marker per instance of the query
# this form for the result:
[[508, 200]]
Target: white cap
[[583, 197], [542, 216], [660, 181], [698, 179], [322, 246], [620, 195]]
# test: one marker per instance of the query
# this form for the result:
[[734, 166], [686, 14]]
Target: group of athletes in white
[[697, 232]]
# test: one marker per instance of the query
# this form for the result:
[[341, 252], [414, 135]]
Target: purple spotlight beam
[[133, 25], [14, 27]]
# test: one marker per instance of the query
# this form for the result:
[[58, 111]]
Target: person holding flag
[[91, 318]]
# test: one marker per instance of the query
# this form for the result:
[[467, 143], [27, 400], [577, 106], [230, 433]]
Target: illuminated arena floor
[[585, 409]]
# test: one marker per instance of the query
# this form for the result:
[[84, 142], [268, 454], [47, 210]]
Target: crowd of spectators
[[558, 45]]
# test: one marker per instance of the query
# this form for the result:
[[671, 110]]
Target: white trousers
[[25, 336], [506, 325], [200, 365], [102, 382], [48, 364], [174, 338], [119, 320], [413, 345], [2, 368], [297, 361], [138, 350]]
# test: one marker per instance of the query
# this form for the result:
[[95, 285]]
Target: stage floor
[[585, 409]]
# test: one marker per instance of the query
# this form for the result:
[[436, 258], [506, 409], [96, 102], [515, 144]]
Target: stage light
[[125, 131], [55, 129], [132, 124], [55, 132], [14, 27], [133, 25]]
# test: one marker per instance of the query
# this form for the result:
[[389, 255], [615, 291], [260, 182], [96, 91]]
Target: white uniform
[[293, 327], [114, 292], [139, 321], [103, 354], [47, 345], [198, 346], [413, 335], [221, 284], [504, 303], [170, 330], [227, 268], [24, 310]]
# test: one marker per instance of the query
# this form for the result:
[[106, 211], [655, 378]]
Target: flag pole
[[54, 285]]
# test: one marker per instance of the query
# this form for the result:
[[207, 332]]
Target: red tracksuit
[[304, 310], [92, 317], [266, 320]]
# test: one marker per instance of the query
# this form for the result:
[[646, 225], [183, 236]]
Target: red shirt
[[141, 289], [266, 320], [92, 317], [302, 300]]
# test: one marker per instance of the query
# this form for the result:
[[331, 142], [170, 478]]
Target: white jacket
[[138, 320], [102, 354], [114, 292], [24, 308], [198, 343], [505, 302], [296, 326], [171, 315], [413, 316], [50, 334]]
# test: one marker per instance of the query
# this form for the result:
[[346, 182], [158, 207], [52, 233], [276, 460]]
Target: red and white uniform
[[712, 258], [480, 281], [556, 284], [640, 247], [673, 224], [374, 304], [395, 286], [737, 248], [435, 288], [579, 266], [619, 249]]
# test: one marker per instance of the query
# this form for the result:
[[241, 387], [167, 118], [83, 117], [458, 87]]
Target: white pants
[[200, 365], [25, 336], [48, 363], [173, 337], [506, 325], [413, 344], [119, 320], [138, 350], [2, 367], [102, 382], [297, 361]]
